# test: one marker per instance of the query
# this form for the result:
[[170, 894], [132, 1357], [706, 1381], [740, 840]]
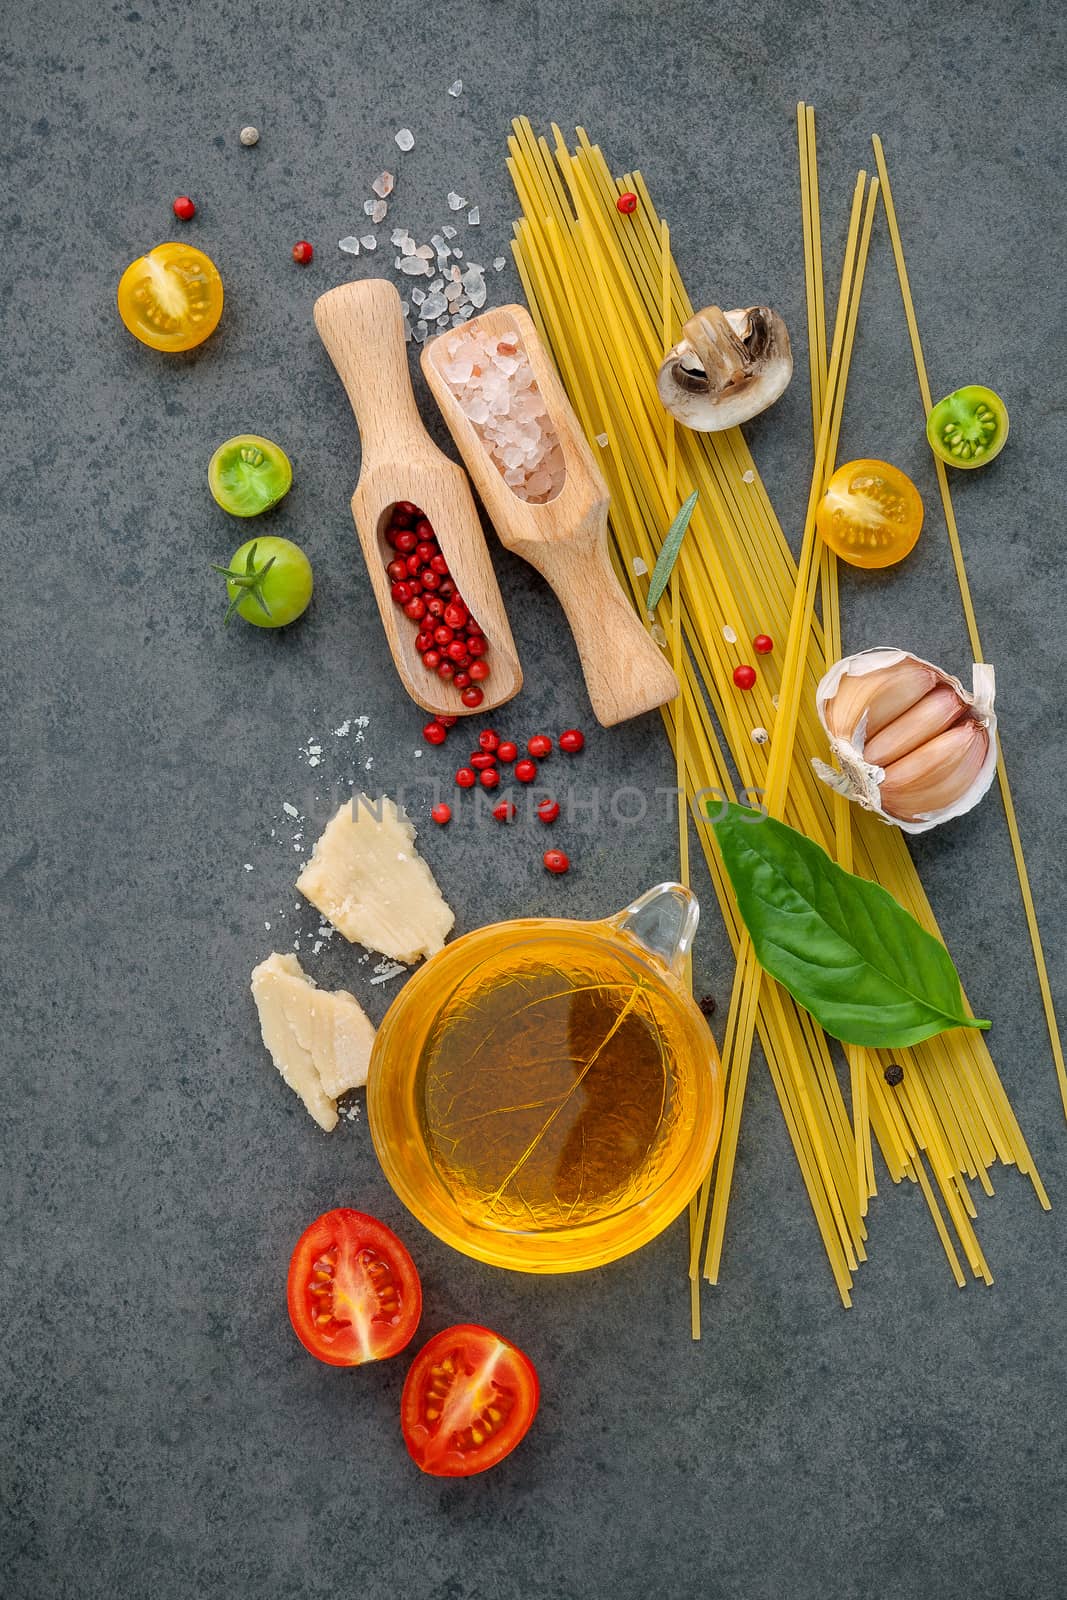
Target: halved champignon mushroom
[[728, 366]]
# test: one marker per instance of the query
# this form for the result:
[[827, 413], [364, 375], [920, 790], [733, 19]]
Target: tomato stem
[[249, 584]]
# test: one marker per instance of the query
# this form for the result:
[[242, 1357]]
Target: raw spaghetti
[[607, 297]]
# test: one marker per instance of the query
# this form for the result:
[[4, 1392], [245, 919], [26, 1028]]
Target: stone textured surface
[[162, 1432]]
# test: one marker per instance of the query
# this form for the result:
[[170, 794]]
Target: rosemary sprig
[[668, 555]]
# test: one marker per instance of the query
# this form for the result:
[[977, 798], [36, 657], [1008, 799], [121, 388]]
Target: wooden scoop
[[362, 327], [566, 538]]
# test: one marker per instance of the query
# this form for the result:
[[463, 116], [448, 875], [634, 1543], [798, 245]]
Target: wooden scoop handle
[[626, 673], [362, 326]]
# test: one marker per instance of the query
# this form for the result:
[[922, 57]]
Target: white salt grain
[[248, 866], [289, 810], [448, 230], [474, 216], [748, 477], [729, 635], [405, 139], [602, 440], [456, 89], [350, 245], [378, 211], [368, 207], [499, 264], [368, 241], [640, 566], [418, 296], [412, 267], [456, 202], [383, 186]]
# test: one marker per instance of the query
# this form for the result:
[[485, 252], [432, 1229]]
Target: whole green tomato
[[268, 581]]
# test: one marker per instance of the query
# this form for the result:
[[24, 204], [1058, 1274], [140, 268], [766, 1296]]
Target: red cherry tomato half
[[469, 1398], [354, 1293]]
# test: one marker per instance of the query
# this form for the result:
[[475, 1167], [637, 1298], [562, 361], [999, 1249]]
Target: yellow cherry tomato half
[[870, 514], [171, 299]]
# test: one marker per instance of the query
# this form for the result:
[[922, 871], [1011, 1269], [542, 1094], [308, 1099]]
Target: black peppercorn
[[707, 1005], [894, 1074]]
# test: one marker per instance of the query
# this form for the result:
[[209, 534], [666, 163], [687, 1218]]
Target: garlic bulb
[[728, 366], [910, 743]]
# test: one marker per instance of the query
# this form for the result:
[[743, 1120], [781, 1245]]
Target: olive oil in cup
[[545, 1095]]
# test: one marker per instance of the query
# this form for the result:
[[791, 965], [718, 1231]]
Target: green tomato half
[[968, 427], [269, 582], [249, 474]]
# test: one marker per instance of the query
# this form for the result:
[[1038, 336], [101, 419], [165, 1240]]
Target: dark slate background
[[162, 1433]]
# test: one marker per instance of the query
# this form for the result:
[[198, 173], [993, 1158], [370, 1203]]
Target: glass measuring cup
[[544, 1094]]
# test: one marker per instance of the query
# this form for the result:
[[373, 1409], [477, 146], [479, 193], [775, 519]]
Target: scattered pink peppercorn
[[572, 741], [763, 644], [184, 208], [441, 813], [556, 861], [627, 204], [525, 771], [505, 811], [434, 733], [506, 751], [473, 696], [466, 778], [302, 252], [488, 739], [548, 809], [744, 676], [540, 745], [489, 778]]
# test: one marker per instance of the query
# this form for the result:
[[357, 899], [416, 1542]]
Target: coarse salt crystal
[[748, 477], [412, 267], [729, 635], [248, 866], [602, 440], [456, 89], [456, 202], [289, 810], [383, 185], [405, 139], [350, 245], [760, 736], [368, 241], [378, 211], [267, 926], [658, 635], [418, 296], [474, 216], [499, 264], [640, 566], [368, 207], [448, 230]]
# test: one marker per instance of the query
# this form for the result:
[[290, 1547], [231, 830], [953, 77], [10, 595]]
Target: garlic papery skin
[[911, 744]]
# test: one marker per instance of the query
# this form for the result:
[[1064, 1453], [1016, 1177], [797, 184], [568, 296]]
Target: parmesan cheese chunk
[[367, 878], [319, 1039]]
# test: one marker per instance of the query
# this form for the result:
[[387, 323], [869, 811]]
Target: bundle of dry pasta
[[607, 297]]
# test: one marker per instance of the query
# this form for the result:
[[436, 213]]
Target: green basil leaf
[[843, 947]]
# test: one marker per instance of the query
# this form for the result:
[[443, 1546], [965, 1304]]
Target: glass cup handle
[[664, 921]]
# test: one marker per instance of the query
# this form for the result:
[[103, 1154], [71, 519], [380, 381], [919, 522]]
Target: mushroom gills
[[727, 367]]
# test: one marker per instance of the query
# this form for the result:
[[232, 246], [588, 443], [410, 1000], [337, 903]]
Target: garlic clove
[[937, 774], [728, 367], [884, 695], [928, 717]]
